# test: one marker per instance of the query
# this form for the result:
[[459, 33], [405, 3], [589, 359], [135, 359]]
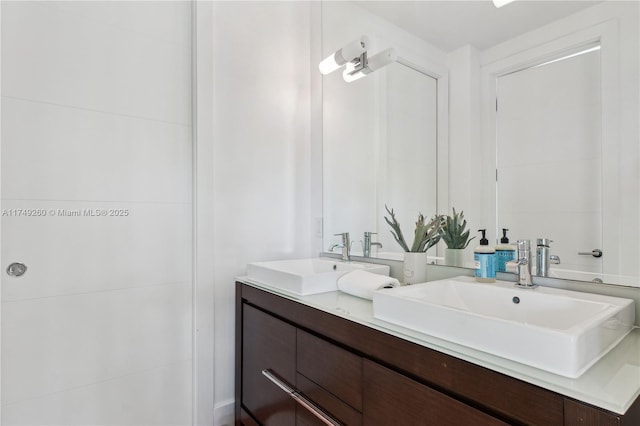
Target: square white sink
[[307, 276], [560, 331]]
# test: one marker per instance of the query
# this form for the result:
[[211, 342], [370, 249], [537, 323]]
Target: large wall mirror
[[384, 153], [557, 159], [384, 136]]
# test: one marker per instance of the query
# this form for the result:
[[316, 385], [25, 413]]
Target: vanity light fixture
[[351, 52], [364, 66], [500, 3]]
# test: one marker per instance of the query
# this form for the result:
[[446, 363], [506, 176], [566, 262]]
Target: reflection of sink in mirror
[[568, 274], [307, 276], [394, 255], [560, 331]]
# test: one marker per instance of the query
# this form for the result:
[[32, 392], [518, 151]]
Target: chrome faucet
[[523, 264], [366, 244], [345, 246], [543, 258]]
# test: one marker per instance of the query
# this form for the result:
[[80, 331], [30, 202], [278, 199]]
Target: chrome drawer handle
[[300, 399], [277, 381]]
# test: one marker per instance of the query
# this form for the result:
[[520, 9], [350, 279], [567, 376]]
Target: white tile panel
[[171, 20], [106, 69], [80, 254], [158, 396], [75, 154], [60, 343]]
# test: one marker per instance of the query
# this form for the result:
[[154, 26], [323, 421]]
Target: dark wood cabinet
[[357, 375], [393, 399], [267, 344], [340, 411], [334, 369]]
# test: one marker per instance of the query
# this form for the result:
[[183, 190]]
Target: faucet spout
[[334, 246], [524, 273], [345, 246], [367, 243], [523, 264]]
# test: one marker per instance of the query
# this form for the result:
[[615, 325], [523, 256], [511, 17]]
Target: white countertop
[[613, 383]]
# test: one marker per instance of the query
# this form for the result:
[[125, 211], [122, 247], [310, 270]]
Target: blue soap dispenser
[[485, 260], [504, 252]]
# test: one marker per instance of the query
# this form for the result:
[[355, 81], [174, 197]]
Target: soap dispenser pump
[[504, 252], [484, 257]]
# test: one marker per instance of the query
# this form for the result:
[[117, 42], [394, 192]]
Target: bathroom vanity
[[301, 358]]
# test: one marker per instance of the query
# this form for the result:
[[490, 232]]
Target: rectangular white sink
[[307, 276], [560, 331]]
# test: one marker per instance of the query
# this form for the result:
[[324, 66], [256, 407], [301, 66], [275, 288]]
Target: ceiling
[[450, 24]]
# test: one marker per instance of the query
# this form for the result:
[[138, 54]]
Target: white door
[[96, 203], [408, 172], [549, 158]]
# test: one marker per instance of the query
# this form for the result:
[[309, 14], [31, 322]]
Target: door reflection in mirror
[[549, 160]]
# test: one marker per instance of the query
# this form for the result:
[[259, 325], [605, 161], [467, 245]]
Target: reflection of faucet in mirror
[[523, 264], [543, 258], [345, 246], [366, 244]]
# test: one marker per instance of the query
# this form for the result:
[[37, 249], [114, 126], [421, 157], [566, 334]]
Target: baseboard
[[223, 413]]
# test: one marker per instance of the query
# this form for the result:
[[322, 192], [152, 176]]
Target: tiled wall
[[96, 114]]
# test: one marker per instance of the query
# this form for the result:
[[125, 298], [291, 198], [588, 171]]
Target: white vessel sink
[[307, 276], [560, 331]]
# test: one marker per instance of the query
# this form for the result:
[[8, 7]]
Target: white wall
[[464, 131], [204, 210], [96, 114], [261, 155]]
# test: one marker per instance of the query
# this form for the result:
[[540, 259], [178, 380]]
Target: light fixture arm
[[357, 64], [366, 65]]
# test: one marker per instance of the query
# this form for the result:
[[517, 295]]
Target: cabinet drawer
[[331, 367], [393, 399], [246, 419], [331, 405], [267, 343]]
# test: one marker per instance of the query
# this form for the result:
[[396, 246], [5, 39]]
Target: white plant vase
[[415, 267], [454, 257]]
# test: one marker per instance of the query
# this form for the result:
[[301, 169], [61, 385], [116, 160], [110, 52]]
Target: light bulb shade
[[331, 63], [354, 49], [348, 53], [353, 76], [500, 3]]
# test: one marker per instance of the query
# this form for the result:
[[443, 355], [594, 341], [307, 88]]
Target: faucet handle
[[524, 247], [368, 234], [544, 242], [345, 239]]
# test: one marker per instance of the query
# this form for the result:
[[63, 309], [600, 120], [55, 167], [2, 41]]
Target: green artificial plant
[[453, 231], [426, 234]]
